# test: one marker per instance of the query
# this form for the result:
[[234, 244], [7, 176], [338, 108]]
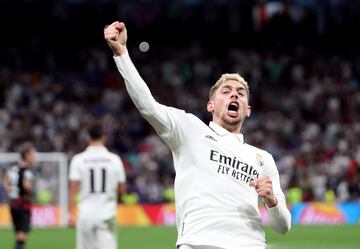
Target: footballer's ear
[[210, 106], [248, 111]]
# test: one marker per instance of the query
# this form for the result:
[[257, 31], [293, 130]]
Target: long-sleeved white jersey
[[215, 204]]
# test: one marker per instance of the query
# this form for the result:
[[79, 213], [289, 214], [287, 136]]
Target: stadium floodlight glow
[[144, 46]]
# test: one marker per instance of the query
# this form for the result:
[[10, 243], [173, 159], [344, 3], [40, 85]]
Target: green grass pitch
[[300, 237]]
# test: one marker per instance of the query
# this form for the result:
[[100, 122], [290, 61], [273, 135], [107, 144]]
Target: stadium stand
[[303, 69]]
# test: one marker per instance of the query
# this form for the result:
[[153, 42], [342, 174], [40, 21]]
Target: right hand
[[116, 36], [71, 220]]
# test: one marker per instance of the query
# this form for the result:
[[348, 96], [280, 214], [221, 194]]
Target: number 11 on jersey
[[97, 175]]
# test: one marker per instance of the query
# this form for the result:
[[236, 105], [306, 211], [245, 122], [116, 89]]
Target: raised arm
[[156, 114], [116, 37]]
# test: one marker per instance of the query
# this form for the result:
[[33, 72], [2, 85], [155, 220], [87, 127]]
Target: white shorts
[[198, 247], [92, 234]]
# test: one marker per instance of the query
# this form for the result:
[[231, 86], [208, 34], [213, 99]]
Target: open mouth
[[233, 108]]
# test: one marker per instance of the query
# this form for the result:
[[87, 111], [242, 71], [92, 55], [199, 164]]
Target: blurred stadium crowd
[[304, 89]]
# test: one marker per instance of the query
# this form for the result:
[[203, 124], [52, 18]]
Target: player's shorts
[[21, 215], [92, 234], [210, 247], [197, 247]]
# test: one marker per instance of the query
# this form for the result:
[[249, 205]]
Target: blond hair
[[226, 77]]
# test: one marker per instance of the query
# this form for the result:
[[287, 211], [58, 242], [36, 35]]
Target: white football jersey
[[215, 204], [99, 172]]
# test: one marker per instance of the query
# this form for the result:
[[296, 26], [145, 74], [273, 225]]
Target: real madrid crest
[[259, 160]]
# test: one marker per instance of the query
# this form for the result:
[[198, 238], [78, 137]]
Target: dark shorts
[[21, 215]]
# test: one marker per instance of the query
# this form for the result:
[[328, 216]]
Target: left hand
[[263, 187]]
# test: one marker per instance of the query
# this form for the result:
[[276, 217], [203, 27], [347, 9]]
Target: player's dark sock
[[20, 244]]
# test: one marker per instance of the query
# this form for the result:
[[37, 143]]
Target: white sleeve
[[120, 171], [279, 216], [74, 171], [156, 114], [28, 175]]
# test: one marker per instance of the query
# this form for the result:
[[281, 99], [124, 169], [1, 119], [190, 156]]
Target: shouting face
[[229, 105]]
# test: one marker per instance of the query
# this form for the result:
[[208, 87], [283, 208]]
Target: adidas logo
[[210, 137]]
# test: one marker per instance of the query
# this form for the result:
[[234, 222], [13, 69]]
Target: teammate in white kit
[[218, 176], [99, 177]]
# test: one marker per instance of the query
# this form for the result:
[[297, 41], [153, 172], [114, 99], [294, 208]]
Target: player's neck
[[233, 128], [96, 143], [24, 164]]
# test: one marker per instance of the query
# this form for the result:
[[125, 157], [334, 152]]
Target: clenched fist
[[263, 187], [116, 36]]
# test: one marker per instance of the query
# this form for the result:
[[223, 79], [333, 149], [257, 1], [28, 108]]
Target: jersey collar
[[222, 132]]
